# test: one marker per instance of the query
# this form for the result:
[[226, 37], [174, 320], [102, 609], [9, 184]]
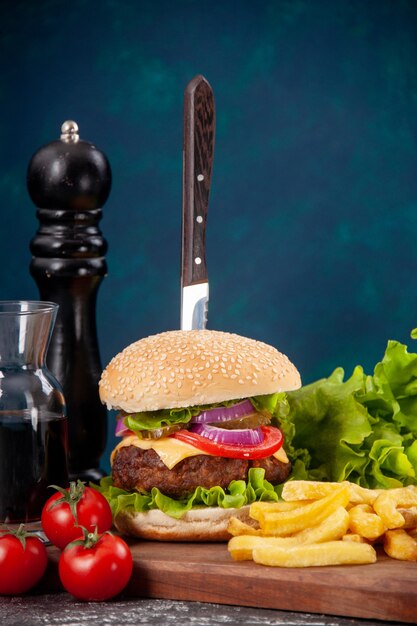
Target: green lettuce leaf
[[159, 419], [168, 417], [269, 403], [328, 428], [362, 429], [238, 494]]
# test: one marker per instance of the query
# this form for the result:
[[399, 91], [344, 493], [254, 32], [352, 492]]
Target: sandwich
[[199, 441]]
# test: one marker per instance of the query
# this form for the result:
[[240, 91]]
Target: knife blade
[[198, 152]]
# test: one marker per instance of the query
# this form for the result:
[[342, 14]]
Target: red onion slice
[[224, 413], [242, 437], [121, 429]]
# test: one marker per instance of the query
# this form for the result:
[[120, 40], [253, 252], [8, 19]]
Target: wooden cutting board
[[386, 590]]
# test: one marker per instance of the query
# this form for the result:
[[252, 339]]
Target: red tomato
[[272, 442], [23, 561], [70, 508], [96, 568]]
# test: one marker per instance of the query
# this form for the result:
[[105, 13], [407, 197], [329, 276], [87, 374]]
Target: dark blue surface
[[312, 234]]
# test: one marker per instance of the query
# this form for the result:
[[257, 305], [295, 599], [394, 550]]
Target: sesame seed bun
[[199, 524], [194, 367]]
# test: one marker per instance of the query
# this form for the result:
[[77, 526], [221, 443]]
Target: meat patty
[[140, 470]]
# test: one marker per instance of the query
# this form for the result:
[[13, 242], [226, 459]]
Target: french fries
[[313, 490], [241, 546], [354, 537], [237, 527], [328, 524], [365, 523], [386, 505], [410, 517], [284, 523], [317, 554], [398, 544]]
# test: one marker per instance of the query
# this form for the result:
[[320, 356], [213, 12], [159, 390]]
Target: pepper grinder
[[69, 180]]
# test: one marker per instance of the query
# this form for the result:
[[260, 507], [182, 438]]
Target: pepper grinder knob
[[69, 180], [69, 132]]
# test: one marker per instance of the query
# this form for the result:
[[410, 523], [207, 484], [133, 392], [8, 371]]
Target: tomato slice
[[272, 442]]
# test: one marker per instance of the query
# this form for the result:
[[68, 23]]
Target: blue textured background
[[312, 233]]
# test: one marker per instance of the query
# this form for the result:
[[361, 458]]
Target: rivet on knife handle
[[199, 133]]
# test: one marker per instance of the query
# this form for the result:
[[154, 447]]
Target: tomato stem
[[89, 539], [20, 534], [71, 496]]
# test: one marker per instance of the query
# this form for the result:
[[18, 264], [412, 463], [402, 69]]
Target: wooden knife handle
[[199, 132]]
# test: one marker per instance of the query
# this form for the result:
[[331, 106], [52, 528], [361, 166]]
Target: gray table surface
[[60, 609]]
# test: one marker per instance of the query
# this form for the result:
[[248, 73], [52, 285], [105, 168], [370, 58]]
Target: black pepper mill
[[69, 181]]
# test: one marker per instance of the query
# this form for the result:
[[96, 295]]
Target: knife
[[198, 151]]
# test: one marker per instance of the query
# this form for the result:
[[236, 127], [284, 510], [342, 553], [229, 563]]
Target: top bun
[[184, 368]]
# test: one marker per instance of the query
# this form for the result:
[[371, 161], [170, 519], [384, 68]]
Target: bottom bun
[[200, 524]]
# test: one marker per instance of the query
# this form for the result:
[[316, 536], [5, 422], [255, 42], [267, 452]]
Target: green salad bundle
[[363, 429]]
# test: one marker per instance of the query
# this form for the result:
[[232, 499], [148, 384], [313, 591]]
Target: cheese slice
[[281, 455], [172, 451]]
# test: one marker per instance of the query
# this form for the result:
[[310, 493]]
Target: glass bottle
[[33, 419]]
